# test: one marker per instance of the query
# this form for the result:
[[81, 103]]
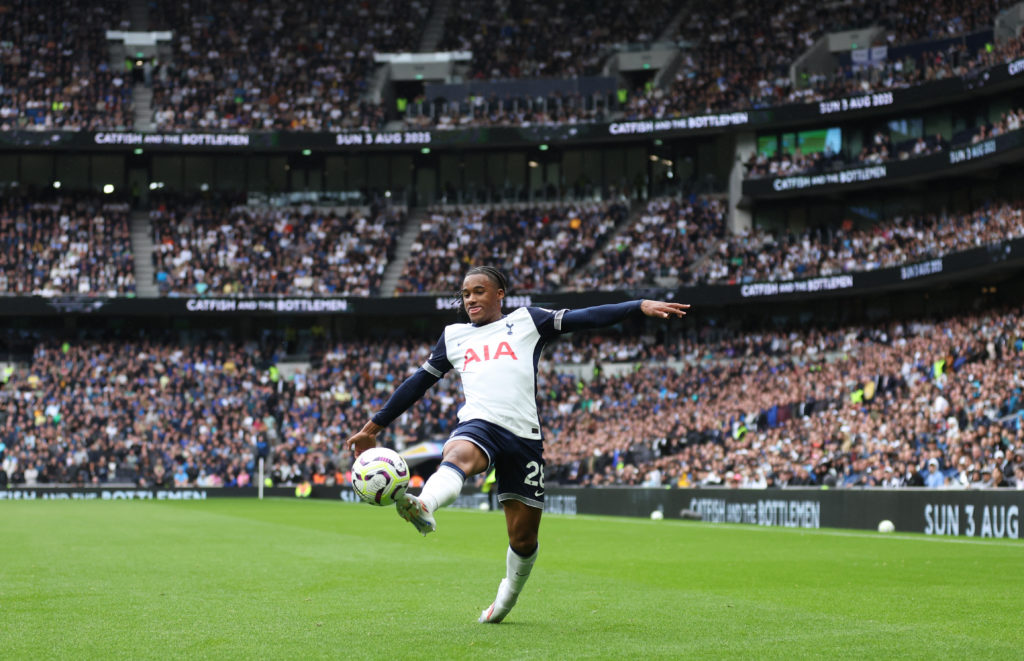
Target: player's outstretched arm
[[663, 309], [404, 396], [569, 321]]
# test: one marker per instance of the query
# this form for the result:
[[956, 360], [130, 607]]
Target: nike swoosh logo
[[538, 494]]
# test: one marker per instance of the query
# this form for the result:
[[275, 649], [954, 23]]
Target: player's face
[[481, 298]]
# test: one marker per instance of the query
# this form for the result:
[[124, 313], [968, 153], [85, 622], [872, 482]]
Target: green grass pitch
[[278, 579]]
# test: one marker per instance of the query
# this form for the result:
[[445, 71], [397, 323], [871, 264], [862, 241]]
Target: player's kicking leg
[[440, 490], [523, 524]]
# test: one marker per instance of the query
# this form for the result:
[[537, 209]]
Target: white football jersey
[[498, 366]]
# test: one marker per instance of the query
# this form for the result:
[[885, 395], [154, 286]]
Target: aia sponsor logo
[[471, 355]]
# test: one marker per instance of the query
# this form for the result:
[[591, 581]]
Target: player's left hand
[[663, 309]]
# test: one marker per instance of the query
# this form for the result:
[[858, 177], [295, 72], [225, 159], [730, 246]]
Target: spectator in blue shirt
[[933, 478]]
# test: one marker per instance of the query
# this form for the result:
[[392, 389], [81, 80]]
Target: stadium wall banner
[[988, 81], [136, 493], [994, 513], [986, 260], [949, 162]]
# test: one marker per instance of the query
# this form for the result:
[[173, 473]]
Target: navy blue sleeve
[[551, 322], [545, 320], [409, 392], [438, 364]]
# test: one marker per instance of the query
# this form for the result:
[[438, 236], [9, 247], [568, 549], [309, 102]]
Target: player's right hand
[[360, 442], [663, 309], [363, 440]]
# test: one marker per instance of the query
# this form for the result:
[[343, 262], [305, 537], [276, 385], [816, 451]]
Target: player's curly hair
[[493, 274]]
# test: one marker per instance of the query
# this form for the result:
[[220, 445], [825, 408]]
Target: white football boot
[[503, 603], [415, 512]]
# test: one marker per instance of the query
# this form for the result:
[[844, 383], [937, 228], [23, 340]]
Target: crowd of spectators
[[220, 248], [724, 68], [508, 111], [906, 22], [259, 67], [540, 40], [740, 54], [683, 241], [736, 56], [762, 255], [784, 163], [225, 249], [861, 406], [82, 245], [659, 247], [880, 149], [149, 412], [1009, 121], [197, 411], [70, 244], [264, 66], [538, 247], [256, 66], [873, 405], [952, 61], [55, 67]]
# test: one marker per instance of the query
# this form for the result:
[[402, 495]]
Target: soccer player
[[496, 356]]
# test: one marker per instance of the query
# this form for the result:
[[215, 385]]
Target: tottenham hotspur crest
[[509, 327]]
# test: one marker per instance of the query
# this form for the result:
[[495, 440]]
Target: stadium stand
[[850, 406], [206, 247], [539, 247], [65, 245], [319, 82], [678, 241], [538, 40], [56, 70], [261, 66], [508, 110], [871, 403], [727, 68], [767, 256], [659, 247], [242, 68], [880, 149], [217, 247]]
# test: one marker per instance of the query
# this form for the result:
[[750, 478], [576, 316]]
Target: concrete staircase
[[381, 76], [142, 250], [635, 211], [402, 251], [672, 27], [667, 73], [433, 31], [143, 98]]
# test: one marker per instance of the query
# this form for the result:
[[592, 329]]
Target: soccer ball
[[886, 525], [380, 476]]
